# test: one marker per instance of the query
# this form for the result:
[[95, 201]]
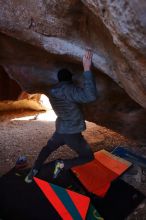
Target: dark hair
[[64, 75]]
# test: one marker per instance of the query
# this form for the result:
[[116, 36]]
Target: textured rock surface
[[126, 22], [38, 38], [9, 88]]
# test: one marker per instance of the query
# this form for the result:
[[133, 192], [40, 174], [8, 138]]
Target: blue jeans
[[74, 141]]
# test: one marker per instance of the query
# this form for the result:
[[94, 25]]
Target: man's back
[[65, 98], [69, 116]]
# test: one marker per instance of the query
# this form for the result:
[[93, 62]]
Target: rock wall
[[38, 38], [9, 88]]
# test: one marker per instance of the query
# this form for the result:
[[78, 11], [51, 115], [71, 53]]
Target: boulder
[[39, 38]]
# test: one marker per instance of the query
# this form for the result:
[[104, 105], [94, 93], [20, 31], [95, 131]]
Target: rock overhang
[[38, 39]]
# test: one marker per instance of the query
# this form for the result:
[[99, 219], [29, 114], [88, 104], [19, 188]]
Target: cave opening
[[48, 113]]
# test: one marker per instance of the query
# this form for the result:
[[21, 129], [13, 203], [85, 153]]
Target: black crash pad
[[19, 200]]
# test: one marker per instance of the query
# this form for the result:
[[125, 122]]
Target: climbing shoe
[[59, 165], [31, 174]]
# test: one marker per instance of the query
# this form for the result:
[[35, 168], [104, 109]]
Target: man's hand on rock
[[87, 60]]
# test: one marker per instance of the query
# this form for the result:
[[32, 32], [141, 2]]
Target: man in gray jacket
[[65, 98]]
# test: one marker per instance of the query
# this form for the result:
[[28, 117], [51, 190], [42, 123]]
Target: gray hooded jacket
[[65, 98]]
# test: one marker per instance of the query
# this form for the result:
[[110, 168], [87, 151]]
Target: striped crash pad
[[26, 201], [70, 205]]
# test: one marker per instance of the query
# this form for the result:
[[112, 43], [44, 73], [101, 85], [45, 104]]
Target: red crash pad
[[97, 175]]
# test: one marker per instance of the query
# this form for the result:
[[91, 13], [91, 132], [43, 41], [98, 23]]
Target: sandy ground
[[19, 136]]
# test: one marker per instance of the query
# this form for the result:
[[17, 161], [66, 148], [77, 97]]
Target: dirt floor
[[19, 136]]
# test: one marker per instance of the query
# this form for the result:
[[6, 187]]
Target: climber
[[65, 98]]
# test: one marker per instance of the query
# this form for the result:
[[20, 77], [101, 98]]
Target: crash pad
[[19, 200], [69, 204], [93, 214], [112, 162], [130, 156], [120, 200], [97, 175]]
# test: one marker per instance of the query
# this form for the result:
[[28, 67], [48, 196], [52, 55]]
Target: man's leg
[[79, 144], [53, 143]]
